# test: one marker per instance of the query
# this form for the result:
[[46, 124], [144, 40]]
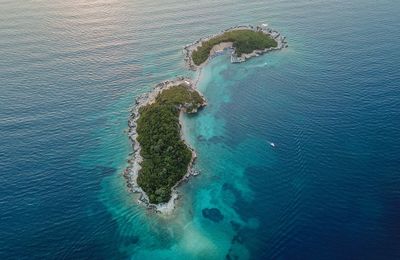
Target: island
[[162, 159], [242, 42]]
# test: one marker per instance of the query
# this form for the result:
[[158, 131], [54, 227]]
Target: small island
[[243, 42], [162, 160]]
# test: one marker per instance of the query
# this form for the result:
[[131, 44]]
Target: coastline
[[132, 171], [188, 49]]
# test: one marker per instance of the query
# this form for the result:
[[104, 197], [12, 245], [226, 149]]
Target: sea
[[329, 187]]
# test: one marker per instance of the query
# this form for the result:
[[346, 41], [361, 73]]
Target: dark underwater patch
[[236, 226], [105, 171], [216, 139], [134, 240], [213, 214], [237, 239], [201, 138], [231, 256]]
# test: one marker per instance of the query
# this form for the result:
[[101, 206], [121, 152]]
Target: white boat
[[272, 144]]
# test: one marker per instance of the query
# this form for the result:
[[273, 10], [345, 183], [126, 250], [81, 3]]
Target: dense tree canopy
[[165, 156], [244, 41]]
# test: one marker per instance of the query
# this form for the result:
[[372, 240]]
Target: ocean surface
[[330, 188]]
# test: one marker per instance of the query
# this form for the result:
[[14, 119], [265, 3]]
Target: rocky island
[[162, 159], [242, 42]]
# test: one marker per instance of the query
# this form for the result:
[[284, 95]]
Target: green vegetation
[[165, 156], [244, 41]]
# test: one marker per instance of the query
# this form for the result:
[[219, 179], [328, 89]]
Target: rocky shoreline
[[132, 171], [188, 49]]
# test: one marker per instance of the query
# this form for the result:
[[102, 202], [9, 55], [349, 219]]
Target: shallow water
[[70, 71]]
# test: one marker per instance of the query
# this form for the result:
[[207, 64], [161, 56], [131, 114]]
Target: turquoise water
[[70, 72]]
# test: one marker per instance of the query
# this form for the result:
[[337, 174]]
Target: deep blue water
[[69, 73]]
